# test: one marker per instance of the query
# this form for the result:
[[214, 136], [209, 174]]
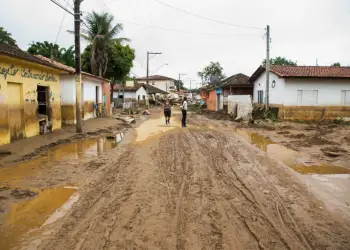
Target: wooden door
[[15, 110]]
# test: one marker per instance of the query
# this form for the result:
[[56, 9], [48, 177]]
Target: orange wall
[[211, 101], [106, 93]]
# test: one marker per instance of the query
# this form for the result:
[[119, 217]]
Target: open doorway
[[43, 111]]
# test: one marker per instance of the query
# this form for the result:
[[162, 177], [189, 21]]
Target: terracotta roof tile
[[155, 77], [311, 71], [23, 55]]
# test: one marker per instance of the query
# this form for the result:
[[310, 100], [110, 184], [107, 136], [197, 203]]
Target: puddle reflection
[[81, 149], [298, 161], [30, 214]]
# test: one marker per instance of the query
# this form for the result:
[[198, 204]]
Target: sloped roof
[[68, 68], [155, 78], [238, 79], [128, 88], [23, 55], [304, 72], [153, 90]]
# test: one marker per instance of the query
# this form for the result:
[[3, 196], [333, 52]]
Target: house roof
[[128, 88], [155, 78], [68, 68], [153, 90], [23, 55], [236, 80], [304, 72]]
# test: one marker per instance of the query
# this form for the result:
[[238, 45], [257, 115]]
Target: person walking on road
[[184, 112], [167, 112]]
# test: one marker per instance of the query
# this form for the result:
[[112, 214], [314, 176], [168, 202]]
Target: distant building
[[164, 83], [305, 92], [216, 95]]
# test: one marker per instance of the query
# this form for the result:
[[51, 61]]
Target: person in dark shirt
[[167, 111]]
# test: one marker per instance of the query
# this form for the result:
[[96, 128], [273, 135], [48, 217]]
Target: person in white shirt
[[184, 112]]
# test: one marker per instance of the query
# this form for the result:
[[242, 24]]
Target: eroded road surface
[[201, 187]]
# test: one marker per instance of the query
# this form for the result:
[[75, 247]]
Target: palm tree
[[101, 34], [67, 56], [46, 49]]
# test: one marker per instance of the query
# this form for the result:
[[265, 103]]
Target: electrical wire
[[67, 2], [187, 32], [62, 7], [206, 18], [101, 5], [64, 15]]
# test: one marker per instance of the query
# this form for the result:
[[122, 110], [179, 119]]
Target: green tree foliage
[[101, 34], [54, 52], [179, 84], [337, 64], [281, 61], [6, 38], [119, 62], [213, 69]]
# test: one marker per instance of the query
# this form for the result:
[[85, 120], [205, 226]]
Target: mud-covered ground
[[325, 141], [200, 187]]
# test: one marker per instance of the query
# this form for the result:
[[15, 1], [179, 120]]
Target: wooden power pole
[[79, 124], [267, 66], [150, 53]]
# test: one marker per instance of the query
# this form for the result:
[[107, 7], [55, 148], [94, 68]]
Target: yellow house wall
[[29, 75]]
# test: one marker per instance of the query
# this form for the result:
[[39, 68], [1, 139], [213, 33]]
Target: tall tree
[[119, 62], [281, 61], [54, 52], [6, 38], [337, 64], [214, 69], [101, 34]]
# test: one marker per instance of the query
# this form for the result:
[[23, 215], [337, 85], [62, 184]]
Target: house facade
[[130, 93], [94, 90], [216, 96], [164, 83], [305, 92], [30, 95]]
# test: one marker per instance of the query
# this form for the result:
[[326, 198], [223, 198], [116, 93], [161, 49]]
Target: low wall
[[309, 113]]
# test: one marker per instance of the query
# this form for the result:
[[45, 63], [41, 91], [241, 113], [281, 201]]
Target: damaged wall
[[18, 97]]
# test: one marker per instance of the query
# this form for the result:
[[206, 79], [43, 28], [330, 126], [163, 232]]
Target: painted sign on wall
[[27, 73]]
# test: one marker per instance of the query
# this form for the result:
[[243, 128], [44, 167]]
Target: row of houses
[[37, 93], [295, 92]]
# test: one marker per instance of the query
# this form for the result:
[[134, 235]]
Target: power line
[[67, 2], [62, 7], [64, 15], [207, 18], [183, 31], [101, 5]]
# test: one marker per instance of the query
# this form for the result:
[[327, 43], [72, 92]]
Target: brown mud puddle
[[298, 161], [77, 150], [24, 216]]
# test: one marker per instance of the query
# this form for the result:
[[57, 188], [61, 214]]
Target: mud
[[201, 187], [22, 193]]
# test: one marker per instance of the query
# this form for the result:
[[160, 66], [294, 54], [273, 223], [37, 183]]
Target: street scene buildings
[[175, 125]]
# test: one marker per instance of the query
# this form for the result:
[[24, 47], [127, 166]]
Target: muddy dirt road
[[201, 187]]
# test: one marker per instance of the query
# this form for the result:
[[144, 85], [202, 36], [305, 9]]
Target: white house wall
[[164, 85], [141, 92], [67, 83], [329, 91], [132, 94], [276, 94], [89, 95]]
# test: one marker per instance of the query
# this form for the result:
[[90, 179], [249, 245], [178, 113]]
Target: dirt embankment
[[195, 188]]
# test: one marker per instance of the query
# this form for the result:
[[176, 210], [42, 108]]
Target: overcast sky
[[301, 30]]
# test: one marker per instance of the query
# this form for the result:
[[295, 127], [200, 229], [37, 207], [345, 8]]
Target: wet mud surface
[[165, 187], [201, 187]]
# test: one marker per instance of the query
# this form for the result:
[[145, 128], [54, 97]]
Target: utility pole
[[79, 124], [267, 66], [150, 53], [178, 86]]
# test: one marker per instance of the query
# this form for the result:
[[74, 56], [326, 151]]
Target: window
[[307, 97], [260, 96], [345, 97]]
